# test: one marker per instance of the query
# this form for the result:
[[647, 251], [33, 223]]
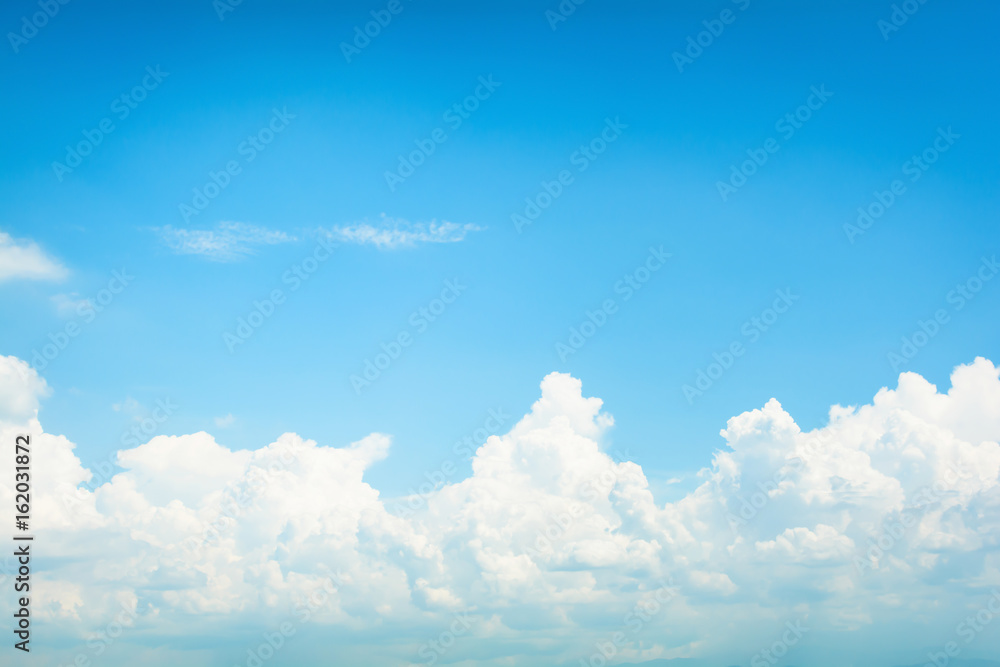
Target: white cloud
[[396, 232], [130, 406], [229, 241], [26, 260], [550, 544], [804, 546], [225, 422], [70, 305], [21, 390]]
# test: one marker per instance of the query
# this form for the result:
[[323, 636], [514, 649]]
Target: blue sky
[[656, 185], [342, 125]]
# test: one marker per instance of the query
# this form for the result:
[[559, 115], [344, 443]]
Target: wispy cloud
[[68, 305], [228, 242], [26, 260], [225, 422], [129, 406], [396, 232]]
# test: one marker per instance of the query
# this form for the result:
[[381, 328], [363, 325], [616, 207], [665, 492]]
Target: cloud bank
[[865, 542]]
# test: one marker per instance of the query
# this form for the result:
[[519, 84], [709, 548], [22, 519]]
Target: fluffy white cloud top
[[876, 534]]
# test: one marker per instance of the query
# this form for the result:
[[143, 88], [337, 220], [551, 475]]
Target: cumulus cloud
[[21, 390], [889, 515], [229, 241], [391, 233], [27, 261]]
